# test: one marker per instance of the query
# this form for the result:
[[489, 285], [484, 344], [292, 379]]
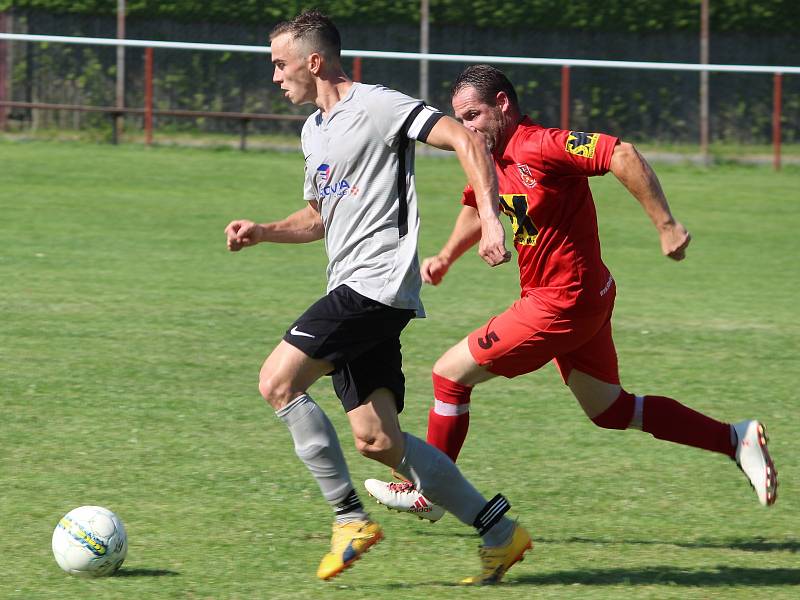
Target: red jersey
[[543, 185]]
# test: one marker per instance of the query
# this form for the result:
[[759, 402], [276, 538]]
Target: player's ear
[[501, 101], [314, 62]]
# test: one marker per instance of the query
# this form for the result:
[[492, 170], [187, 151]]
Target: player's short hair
[[487, 82], [315, 30]]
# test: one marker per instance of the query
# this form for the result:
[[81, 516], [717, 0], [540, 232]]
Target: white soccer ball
[[90, 541]]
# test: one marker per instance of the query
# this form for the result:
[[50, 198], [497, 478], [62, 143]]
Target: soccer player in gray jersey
[[359, 190]]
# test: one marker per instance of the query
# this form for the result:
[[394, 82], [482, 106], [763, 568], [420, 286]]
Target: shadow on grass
[[673, 576], [761, 545], [145, 573], [721, 576], [750, 545]]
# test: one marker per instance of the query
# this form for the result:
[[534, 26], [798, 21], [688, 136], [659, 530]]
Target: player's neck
[[513, 121], [331, 89]]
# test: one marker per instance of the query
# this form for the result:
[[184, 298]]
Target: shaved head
[[312, 31]]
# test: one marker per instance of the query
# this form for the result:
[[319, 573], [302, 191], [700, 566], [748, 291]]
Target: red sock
[[448, 420], [668, 419], [619, 414]]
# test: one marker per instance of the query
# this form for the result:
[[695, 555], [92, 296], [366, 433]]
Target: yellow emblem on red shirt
[[516, 207], [582, 144]]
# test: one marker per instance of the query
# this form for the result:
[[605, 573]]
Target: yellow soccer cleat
[[496, 560], [348, 542]]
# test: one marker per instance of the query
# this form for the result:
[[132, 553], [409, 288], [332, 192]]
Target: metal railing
[[564, 63]]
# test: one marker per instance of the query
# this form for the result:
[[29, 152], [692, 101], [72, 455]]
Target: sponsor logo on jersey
[[329, 188], [516, 207], [608, 285], [337, 189], [525, 174], [582, 144]]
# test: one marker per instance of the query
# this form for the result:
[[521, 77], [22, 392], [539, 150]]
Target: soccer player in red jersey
[[567, 293]]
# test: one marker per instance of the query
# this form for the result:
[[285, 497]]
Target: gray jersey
[[360, 170]]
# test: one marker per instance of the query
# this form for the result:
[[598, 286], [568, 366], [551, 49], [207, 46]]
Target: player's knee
[[373, 446], [449, 367], [275, 390], [365, 447], [439, 369], [619, 414], [449, 364]]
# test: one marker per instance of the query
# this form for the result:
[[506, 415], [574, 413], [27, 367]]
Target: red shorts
[[527, 336]]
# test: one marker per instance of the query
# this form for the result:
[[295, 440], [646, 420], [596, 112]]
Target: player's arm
[[305, 225], [636, 174], [466, 233], [470, 147]]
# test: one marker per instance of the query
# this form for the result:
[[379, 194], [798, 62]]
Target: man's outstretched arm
[[466, 233], [305, 225], [470, 147], [636, 174]]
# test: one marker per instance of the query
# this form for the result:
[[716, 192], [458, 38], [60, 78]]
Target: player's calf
[[620, 414], [448, 419]]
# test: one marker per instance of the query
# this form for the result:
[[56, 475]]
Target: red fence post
[[776, 120], [5, 26], [119, 118], [565, 97], [357, 68], [148, 96]]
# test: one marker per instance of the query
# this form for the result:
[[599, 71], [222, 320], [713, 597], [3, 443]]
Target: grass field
[[720, 151], [130, 343]]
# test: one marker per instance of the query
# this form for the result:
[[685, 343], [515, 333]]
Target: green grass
[[130, 343], [723, 151], [720, 151]]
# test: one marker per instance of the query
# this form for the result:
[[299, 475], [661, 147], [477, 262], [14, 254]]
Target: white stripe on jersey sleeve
[[425, 115]]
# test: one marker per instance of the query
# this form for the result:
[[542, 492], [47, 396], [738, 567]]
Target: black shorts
[[361, 337]]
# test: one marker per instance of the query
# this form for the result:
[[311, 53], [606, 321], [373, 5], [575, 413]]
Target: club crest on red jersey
[[582, 144], [525, 174]]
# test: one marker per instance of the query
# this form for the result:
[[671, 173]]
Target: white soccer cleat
[[754, 460], [402, 496]]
